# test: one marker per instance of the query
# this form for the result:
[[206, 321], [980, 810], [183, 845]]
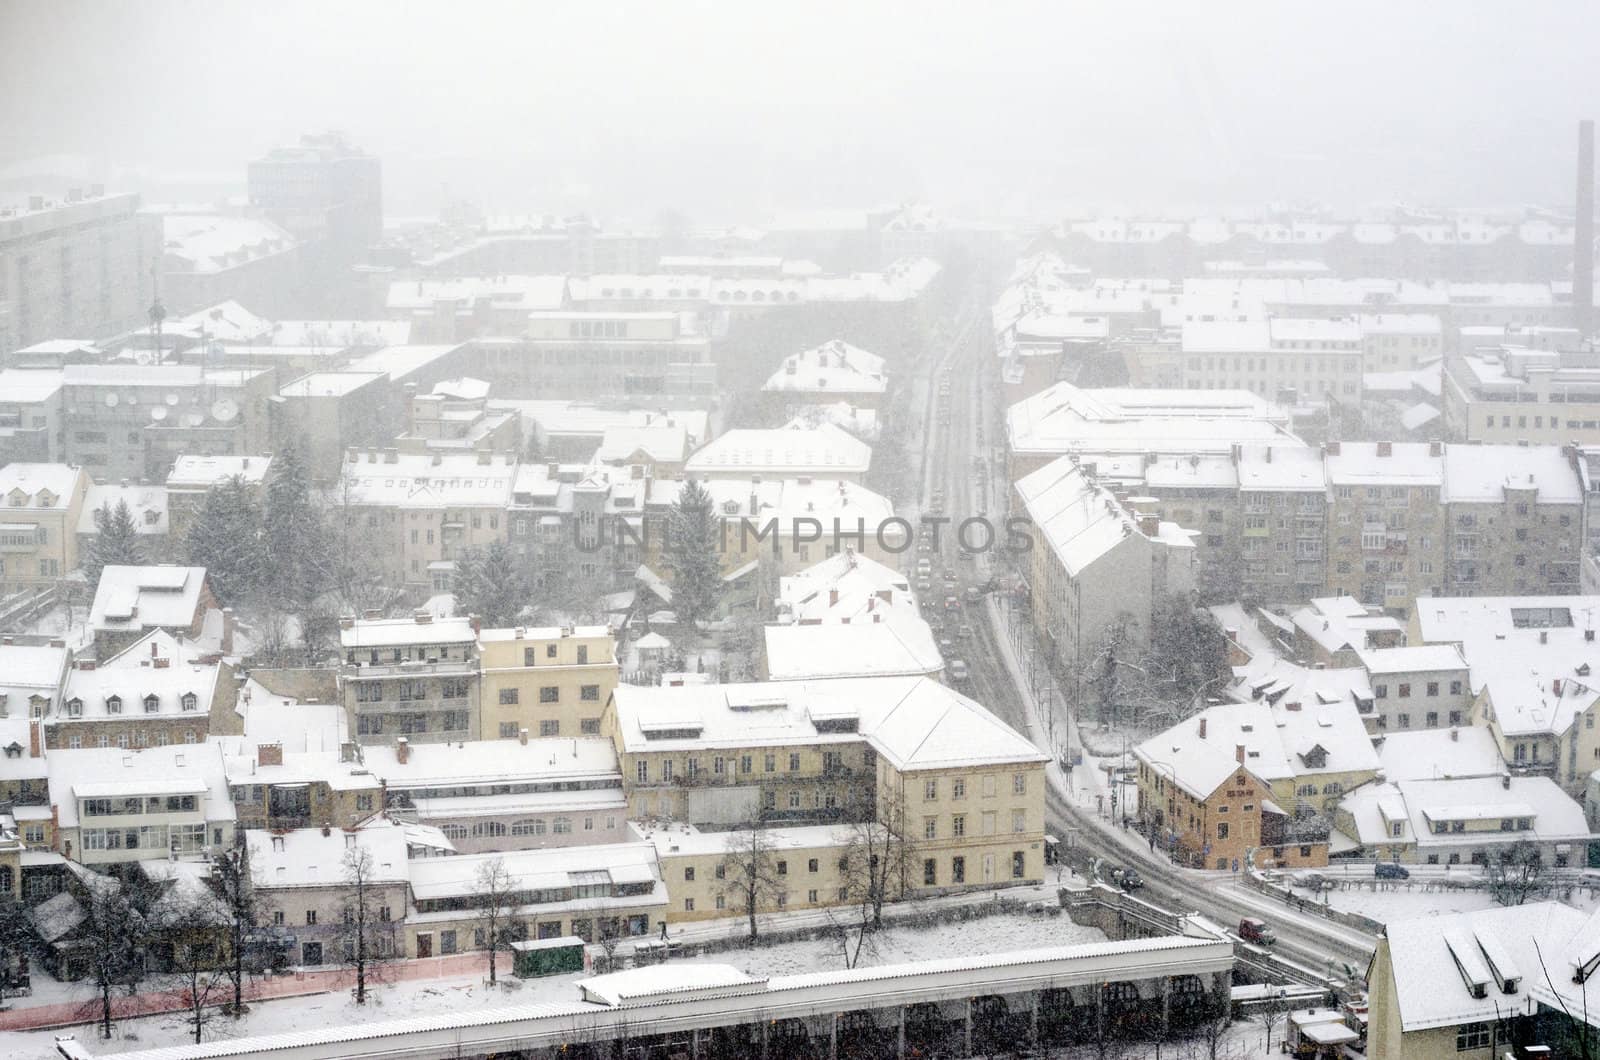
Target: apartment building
[[546, 682], [414, 677], [415, 513], [791, 451], [38, 531], [277, 790], [330, 413], [111, 805], [491, 795], [1293, 360], [192, 477], [301, 877], [31, 415], [158, 691], [576, 520], [1519, 395], [1387, 526], [148, 507], [83, 266], [1516, 520], [209, 258], [805, 865], [1203, 804], [324, 190], [1424, 686], [1400, 342], [624, 355], [822, 375]]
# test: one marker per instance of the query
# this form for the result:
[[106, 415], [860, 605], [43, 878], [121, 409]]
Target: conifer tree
[[295, 535], [116, 543], [691, 552], [489, 583], [226, 539]]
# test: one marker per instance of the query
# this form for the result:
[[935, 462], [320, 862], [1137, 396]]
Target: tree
[[112, 936], [491, 584], [293, 531], [191, 923], [116, 543], [748, 871], [366, 934], [691, 551], [16, 936], [243, 906], [1517, 874], [226, 539], [492, 895], [878, 859], [1274, 1007]]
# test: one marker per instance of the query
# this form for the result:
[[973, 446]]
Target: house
[[30, 684], [884, 644], [131, 602], [792, 451], [846, 587], [834, 371], [1476, 983], [546, 682], [194, 476], [146, 504], [1422, 686], [42, 504], [157, 691], [1334, 631], [277, 789], [415, 677]]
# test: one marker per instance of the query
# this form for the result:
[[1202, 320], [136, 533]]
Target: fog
[[728, 111]]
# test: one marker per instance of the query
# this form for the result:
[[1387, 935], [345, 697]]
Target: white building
[[116, 805], [792, 451], [1464, 821]]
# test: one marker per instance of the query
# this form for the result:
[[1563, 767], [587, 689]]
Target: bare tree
[[875, 865], [1517, 874], [366, 934], [748, 872], [608, 936], [492, 895], [193, 927], [243, 903], [853, 933], [1274, 1008], [112, 937]]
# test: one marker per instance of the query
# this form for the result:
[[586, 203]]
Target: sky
[[729, 112]]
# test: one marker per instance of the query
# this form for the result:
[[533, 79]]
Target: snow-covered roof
[[914, 722], [426, 480], [209, 243], [1386, 464], [1343, 623], [1419, 658], [145, 597], [483, 762], [1489, 474], [1553, 815], [1489, 965], [846, 586], [396, 632], [660, 443], [101, 772], [146, 504], [329, 384], [795, 449], [1440, 754], [638, 985], [509, 293], [226, 322], [38, 487], [894, 644], [835, 367], [341, 334], [685, 840], [26, 669], [154, 677], [1079, 520], [305, 857], [399, 363], [27, 386], [1280, 468], [549, 869], [1064, 417], [203, 472]]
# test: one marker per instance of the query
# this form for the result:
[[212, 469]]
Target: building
[[844, 588], [1292, 360], [39, 532], [83, 266], [599, 355], [1425, 686], [1519, 395], [879, 644], [905, 750], [805, 862], [493, 795], [1463, 821], [1530, 661], [571, 431], [1400, 342], [1516, 520], [410, 677], [193, 477], [148, 507], [1099, 571], [209, 258], [822, 375], [330, 413], [645, 452], [277, 790], [1458, 984], [31, 416], [416, 513], [455, 415], [1209, 805], [1334, 631], [791, 451], [325, 191], [490, 306], [546, 682], [112, 805], [30, 684], [132, 602], [1387, 529], [575, 520], [156, 692]]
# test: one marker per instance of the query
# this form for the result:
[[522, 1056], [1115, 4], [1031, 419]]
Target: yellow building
[[39, 524], [549, 682], [804, 867], [961, 787]]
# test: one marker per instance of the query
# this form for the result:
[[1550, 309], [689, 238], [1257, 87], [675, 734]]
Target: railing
[[450, 667]]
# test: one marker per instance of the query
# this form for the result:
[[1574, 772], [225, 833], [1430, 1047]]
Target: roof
[[203, 472], [846, 586], [1078, 519], [794, 449], [1343, 623], [895, 644], [551, 868], [340, 334], [1406, 464], [1434, 957], [25, 386], [1064, 417], [427, 480], [1421, 658], [661, 443], [477, 763], [685, 840], [305, 857], [95, 772], [1491, 474], [914, 722], [1554, 816], [215, 242], [835, 367], [147, 505], [401, 362], [329, 384], [145, 597], [1435, 754], [395, 632], [41, 487]]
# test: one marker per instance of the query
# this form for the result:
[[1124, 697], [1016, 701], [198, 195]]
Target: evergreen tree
[[116, 543], [692, 546], [295, 535], [489, 583], [226, 539]]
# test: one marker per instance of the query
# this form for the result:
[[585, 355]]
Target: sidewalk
[[294, 984]]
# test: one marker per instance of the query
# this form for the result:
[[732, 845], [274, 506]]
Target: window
[[549, 727], [744, 763], [1404, 690], [930, 790], [958, 825], [1470, 1036], [1019, 865], [311, 917], [1019, 820], [769, 764], [508, 698], [930, 828], [688, 874], [794, 763], [958, 788], [589, 693], [642, 770], [508, 730], [1019, 784], [549, 694], [549, 651], [562, 826], [930, 872], [688, 905], [811, 866], [1222, 830], [589, 726], [364, 803], [1380, 691], [958, 870], [1455, 688]]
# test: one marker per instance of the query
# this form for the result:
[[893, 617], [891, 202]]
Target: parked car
[[1389, 870], [924, 585], [1307, 878], [1257, 931], [958, 670], [952, 603], [974, 594], [1128, 879], [964, 631]]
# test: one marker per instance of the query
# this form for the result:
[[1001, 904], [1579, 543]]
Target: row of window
[[408, 724], [140, 805], [138, 738], [988, 823], [832, 763], [152, 704], [510, 730], [958, 787], [524, 827], [411, 688], [510, 697], [1403, 689]]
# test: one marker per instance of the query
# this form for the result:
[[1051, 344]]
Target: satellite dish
[[158, 413], [224, 410], [143, 357], [133, 398], [112, 401], [194, 419], [171, 399]]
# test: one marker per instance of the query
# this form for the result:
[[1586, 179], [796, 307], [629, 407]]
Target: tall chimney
[[1238, 752], [1583, 235], [402, 750]]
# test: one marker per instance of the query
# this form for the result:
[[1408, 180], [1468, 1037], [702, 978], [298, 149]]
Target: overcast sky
[[727, 112]]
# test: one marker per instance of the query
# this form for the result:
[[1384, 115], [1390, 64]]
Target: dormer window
[[47, 499], [113, 704], [190, 701], [152, 703], [74, 707]]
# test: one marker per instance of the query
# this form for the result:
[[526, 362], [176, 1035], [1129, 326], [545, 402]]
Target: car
[[974, 594], [1307, 878], [924, 585], [1389, 870], [1128, 879], [950, 577], [952, 603], [1252, 929], [924, 566], [946, 645], [964, 631], [958, 670]]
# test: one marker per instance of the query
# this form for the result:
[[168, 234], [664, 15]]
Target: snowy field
[[995, 934]]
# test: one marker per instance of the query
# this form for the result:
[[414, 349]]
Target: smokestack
[[1583, 235]]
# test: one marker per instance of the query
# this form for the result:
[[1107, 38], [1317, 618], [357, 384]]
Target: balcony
[[446, 667]]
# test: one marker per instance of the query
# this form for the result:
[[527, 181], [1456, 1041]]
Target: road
[[961, 479]]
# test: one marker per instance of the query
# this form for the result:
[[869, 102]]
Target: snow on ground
[[994, 934], [1397, 902]]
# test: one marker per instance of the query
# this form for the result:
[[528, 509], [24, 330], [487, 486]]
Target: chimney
[[347, 621], [552, 471], [269, 754], [227, 630], [522, 736], [1583, 235], [372, 614], [57, 642], [1555, 688], [402, 750], [422, 616], [1435, 448], [476, 623], [1202, 728], [1149, 525], [1238, 752], [35, 738], [347, 752], [1331, 448], [55, 826], [833, 598], [86, 664], [1385, 448], [1293, 706], [1505, 781]]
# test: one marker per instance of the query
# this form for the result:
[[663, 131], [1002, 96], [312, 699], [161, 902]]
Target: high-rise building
[[82, 268], [325, 192]]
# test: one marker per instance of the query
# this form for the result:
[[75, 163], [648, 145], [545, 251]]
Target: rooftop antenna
[[158, 313]]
